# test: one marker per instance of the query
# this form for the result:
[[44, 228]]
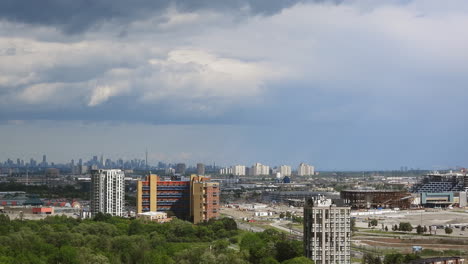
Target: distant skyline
[[342, 85]]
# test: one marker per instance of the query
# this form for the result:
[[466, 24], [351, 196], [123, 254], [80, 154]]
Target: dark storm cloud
[[74, 16]]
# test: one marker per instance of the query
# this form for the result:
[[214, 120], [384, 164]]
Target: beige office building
[[327, 232]]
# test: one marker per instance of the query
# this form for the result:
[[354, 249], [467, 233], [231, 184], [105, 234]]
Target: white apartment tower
[[260, 169], [239, 170], [327, 232], [107, 192], [305, 170], [285, 170]]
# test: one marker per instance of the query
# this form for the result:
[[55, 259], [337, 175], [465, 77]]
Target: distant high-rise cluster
[[259, 169]]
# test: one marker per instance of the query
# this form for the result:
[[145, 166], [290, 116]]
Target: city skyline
[[346, 85]]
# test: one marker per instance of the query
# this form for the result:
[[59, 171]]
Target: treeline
[[393, 258], [106, 240], [44, 191]]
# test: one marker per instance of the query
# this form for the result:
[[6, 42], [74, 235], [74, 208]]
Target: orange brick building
[[196, 200]]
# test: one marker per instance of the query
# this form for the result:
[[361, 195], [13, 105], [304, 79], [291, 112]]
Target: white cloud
[[348, 48]]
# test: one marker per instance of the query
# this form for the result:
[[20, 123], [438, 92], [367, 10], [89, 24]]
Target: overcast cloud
[[351, 85]]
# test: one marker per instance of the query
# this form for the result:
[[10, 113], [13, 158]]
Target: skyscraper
[[327, 231], [44, 161], [200, 169], [107, 192]]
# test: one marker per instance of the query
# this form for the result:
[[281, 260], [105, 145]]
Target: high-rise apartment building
[[204, 199], [260, 169], [196, 200], [200, 169], [107, 192], [226, 171], [285, 170], [305, 170], [327, 231], [239, 170]]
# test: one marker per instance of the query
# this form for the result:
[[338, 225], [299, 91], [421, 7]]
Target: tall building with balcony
[[305, 170], [239, 170], [107, 192], [196, 200], [260, 169], [204, 199], [285, 170], [327, 231], [226, 171]]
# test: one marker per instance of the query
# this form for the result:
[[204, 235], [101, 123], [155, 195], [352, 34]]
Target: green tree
[[298, 260], [353, 224], [370, 259], [448, 230], [395, 258], [419, 229], [374, 222], [288, 249], [255, 246], [405, 226], [136, 227]]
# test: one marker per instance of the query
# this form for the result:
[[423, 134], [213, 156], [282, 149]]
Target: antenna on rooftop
[[146, 160]]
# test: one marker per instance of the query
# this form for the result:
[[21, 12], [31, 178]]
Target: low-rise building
[[159, 217]]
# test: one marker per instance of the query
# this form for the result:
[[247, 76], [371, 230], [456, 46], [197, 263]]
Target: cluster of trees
[[373, 222], [421, 229], [106, 239], [272, 247], [394, 258], [403, 226]]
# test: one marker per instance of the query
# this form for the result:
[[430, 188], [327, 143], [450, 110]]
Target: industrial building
[[436, 182], [327, 231], [107, 192], [196, 200], [366, 199]]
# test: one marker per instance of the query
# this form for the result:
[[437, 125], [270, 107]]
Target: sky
[[342, 85]]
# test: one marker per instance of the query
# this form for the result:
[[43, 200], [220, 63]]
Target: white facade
[[260, 169], [239, 170], [108, 192], [327, 232], [285, 170], [226, 170], [305, 170]]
